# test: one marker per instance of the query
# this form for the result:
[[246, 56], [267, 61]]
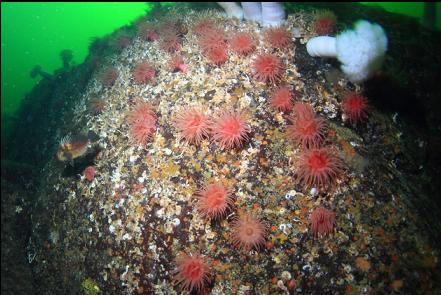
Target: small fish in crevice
[[74, 147]]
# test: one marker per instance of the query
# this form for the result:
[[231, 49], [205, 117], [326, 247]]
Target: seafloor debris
[[123, 230]]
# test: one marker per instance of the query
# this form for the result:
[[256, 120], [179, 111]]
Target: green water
[[35, 33], [414, 9]]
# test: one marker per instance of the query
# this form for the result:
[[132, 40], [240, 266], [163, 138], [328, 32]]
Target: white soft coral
[[269, 14], [361, 51]]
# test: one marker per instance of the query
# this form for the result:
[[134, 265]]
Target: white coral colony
[[361, 51], [268, 14]]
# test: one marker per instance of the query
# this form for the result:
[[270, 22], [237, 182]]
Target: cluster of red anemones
[[248, 232], [214, 200], [213, 43], [228, 128], [148, 32], [242, 43], [177, 64], [211, 39], [203, 26], [318, 166], [108, 77], [143, 73], [217, 56], [281, 99], [268, 68], [142, 122], [322, 221], [171, 36], [306, 128], [355, 107], [325, 23], [192, 271], [277, 38], [192, 123], [171, 42]]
